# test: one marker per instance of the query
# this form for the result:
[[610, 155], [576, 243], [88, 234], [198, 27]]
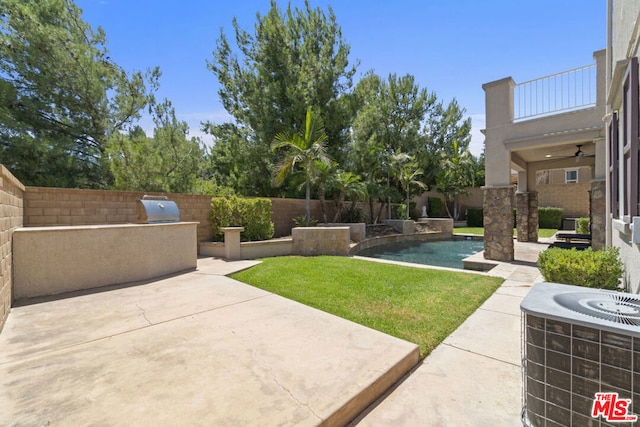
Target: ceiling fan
[[580, 154]]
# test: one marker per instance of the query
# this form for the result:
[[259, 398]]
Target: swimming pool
[[442, 253]]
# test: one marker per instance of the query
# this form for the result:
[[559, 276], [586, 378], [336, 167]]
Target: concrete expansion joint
[[482, 355], [499, 312]]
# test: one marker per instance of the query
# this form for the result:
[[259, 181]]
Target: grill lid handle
[[147, 197]]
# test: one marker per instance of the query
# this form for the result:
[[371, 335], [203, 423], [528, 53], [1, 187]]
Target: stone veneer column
[[527, 216], [533, 216], [498, 223], [522, 216], [597, 208]]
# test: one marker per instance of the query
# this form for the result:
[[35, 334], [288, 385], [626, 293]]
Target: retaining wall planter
[[250, 250], [320, 240], [358, 230]]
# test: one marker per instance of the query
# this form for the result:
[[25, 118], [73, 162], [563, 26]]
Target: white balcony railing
[[570, 90]]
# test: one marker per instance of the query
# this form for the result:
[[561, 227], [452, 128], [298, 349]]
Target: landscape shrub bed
[[550, 217], [434, 207], [475, 218], [583, 226], [252, 214], [593, 269]]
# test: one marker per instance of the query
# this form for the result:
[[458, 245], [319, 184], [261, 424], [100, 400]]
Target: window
[[614, 160], [629, 155], [571, 176]]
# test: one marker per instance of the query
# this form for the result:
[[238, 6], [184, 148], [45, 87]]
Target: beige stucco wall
[[11, 218], [624, 46], [630, 254], [625, 13], [53, 260], [309, 241], [504, 136]]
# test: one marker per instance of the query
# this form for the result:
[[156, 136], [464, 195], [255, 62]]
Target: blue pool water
[[446, 253]]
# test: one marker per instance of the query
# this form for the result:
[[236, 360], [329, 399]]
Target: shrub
[[252, 214], [352, 214], [475, 218], [399, 211], [594, 269], [550, 217], [303, 221], [582, 226], [434, 207]]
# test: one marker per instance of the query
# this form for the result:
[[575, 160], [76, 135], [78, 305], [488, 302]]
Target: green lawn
[[419, 305], [542, 232]]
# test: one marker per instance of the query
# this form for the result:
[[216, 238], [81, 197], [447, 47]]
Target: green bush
[[583, 226], [434, 209], [353, 214], [399, 210], [550, 217], [594, 269], [303, 221], [475, 218], [252, 214]]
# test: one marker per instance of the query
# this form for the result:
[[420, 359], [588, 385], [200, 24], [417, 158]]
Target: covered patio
[[553, 122]]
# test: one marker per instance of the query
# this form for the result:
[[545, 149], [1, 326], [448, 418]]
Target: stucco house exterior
[[586, 117]]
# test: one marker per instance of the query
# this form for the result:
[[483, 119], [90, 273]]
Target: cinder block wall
[[572, 198], [11, 217], [44, 206]]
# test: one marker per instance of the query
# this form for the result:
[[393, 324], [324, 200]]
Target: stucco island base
[[54, 260]]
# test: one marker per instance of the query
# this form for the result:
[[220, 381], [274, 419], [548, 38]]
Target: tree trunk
[[307, 200], [408, 216], [336, 218], [382, 204], [446, 206], [323, 208], [456, 214], [371, 218]]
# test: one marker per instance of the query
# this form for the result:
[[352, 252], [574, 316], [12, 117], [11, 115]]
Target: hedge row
[[550, 217], [547, 218], [475, 218], [434, 207], [595, 269], [252, 214]]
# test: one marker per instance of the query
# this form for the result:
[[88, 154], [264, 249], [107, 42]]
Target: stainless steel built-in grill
[[157, 209], [578, 342]]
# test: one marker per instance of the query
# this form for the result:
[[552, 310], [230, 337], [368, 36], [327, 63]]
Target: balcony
[[558, 93], [539, 124]]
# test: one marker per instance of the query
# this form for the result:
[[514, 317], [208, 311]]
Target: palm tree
[[457, 172], [407, 174], [348, 185], [304, 150], [321, 179]]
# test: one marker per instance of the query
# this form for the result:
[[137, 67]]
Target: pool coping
[[475, 263]]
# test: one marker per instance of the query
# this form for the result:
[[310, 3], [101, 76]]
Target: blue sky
[[451, 47]]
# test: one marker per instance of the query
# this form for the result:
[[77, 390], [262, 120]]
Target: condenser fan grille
[[610, 306]]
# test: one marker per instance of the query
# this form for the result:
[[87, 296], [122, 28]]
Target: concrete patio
[[474, 377], [202, 349]]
